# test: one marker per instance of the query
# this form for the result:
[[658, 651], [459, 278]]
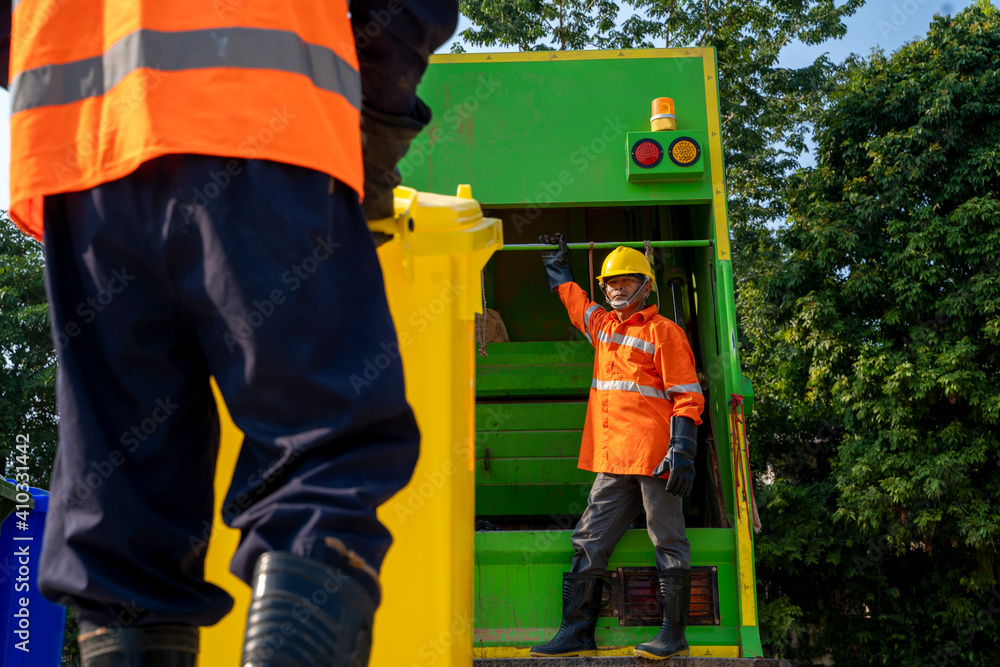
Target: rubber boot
[[581, 606], [305, 613], [675, 596], [150, 646]]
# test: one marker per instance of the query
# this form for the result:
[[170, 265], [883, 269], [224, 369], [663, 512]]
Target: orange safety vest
[[100, 86], [643, 375]]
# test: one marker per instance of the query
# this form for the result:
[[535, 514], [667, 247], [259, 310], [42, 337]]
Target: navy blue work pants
[[265, 276]]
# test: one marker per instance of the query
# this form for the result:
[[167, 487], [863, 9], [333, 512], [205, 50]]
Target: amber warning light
[[663, 117]]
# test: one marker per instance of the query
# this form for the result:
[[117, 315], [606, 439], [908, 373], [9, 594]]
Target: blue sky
[[886, 24]]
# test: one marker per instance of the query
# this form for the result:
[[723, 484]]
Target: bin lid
[[8, 498], [41, 497], [442, 213], [429, 224]]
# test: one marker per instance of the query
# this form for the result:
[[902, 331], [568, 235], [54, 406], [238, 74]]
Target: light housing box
[[674, 155]]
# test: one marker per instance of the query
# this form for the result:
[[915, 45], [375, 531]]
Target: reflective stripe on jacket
[[644, 374], [100, 86]]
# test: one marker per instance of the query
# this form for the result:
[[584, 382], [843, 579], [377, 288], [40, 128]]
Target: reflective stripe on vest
[[627, 385], [629, 341], [245, 48], [586, 322], [101, 86], [645, 390], [694, 388]]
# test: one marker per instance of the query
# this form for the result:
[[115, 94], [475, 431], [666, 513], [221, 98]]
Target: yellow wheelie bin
[[432, 274]]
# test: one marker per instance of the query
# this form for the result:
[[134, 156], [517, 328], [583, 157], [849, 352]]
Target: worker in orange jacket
[[196, 170], [642, 417]]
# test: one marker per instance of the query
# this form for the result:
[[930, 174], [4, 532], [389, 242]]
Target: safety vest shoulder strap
[[108, 85]]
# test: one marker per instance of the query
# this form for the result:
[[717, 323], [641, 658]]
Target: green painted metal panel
[[534, 471], [500, 354], [713, 547], [536, 381], [535, 369], [504, 444], [531, 468], [556, 416], [543, 128], [547, 500]]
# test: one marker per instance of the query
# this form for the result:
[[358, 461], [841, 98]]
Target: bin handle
[[482, 318]]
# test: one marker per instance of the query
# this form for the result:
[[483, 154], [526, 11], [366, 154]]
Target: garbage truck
[[607, 148]]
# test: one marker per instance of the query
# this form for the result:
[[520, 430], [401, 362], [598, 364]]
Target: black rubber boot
[[305, 613], [675, 596], [581, 605], [150, 646]]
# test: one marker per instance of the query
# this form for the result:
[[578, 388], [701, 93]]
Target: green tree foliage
[[879, 393], [27, 382], [767, 110]]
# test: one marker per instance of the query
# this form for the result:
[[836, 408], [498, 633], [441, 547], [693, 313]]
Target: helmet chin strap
[[621, 304]]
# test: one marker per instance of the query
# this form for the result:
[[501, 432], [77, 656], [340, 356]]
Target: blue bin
[[40, 643]]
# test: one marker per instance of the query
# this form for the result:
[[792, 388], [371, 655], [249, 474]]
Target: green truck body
[[546, 141]]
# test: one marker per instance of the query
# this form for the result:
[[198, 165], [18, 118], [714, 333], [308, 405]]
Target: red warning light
[[647, 153]]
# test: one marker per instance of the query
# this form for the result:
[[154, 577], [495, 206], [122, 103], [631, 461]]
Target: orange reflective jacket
[[643, 375], [100, 86]]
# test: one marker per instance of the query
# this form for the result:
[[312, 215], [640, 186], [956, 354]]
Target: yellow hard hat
[[623, 261]]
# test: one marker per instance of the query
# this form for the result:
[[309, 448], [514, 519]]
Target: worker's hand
[[558, 255], [555, 261], [679, 460], [385, 138]]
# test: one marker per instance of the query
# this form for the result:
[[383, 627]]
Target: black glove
[[555, 261], [680, 457], [385, 138]]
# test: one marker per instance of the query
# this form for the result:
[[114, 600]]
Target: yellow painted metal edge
[[482, 652], [715, 154], [544, 56], [744, 545]]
